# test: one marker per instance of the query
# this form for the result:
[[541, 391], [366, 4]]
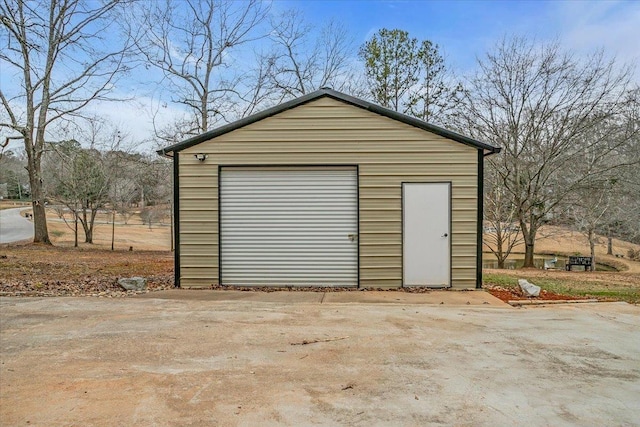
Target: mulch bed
[[515, 294]]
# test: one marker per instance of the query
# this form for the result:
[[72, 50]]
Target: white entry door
[[426, 234]]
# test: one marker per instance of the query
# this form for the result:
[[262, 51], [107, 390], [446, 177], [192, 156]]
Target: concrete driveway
[[89, 361], [13, 226]]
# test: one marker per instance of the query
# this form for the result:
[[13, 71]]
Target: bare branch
[[64, 64], [555, 118]]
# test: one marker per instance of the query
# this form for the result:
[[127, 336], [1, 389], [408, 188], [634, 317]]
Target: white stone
[[529, 288]]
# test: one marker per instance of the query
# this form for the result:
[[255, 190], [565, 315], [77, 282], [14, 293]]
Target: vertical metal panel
[[284, 226]]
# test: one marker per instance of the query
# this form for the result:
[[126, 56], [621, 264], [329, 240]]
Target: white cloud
[[136, 118], [613, 26]]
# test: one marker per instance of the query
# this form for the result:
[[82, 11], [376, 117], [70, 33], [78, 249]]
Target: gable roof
[[330, 93]]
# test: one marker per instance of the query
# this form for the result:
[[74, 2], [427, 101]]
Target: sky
[[464, 30]]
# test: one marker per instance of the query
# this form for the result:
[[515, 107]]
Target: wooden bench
[[585, 261]]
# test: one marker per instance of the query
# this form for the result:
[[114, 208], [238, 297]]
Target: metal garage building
[[328, 190]]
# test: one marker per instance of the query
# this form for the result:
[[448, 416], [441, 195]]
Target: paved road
[[169, 362], [14, 227]]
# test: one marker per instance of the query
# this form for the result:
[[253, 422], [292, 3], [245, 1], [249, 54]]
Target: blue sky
[[464, 30]]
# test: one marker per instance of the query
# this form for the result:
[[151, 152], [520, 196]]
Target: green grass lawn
[[616, 287]]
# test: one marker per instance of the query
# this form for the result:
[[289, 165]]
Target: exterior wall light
[[201, 157]]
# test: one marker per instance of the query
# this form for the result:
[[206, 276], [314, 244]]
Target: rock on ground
[[133, 283]]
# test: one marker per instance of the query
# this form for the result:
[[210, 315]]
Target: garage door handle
[[352, 237], [445, 235]]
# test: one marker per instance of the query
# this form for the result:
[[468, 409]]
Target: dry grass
[[561, 241], [10, 204], [133, 234]]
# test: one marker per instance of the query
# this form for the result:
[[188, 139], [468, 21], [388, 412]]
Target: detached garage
[[328, 190]]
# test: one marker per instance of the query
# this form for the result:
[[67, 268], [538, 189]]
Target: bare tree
[[543, 106], [80, 180], [590, 213], [61, 211], [193, 43], [303, 59], [627, 207], [598, 204], [123, 192], [152, 214], [63, 62], [502, 230]]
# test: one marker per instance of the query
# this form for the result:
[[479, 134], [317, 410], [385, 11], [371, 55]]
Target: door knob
[[352, 237], [445, 235]]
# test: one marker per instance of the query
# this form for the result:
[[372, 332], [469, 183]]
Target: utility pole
[[75, 218], [113, 226]]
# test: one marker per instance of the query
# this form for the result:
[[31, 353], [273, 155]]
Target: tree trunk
[[609, 245], [529, 231], [40, 231], [92, 223], [500, 255], [592, 247], [528, 255], [88, 231], [113, 228], [75, 232]]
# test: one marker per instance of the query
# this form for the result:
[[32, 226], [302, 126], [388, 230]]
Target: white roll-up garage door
[[289, 226]]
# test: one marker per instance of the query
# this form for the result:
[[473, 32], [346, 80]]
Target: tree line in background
[[83, 181], [568, 125]]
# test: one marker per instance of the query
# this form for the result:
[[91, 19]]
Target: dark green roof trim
[[486, 148]]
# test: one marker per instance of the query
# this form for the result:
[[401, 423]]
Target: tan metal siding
[[327, 131]]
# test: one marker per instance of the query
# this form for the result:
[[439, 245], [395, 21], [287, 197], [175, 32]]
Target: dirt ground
[[104, 362], [43, 270]]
